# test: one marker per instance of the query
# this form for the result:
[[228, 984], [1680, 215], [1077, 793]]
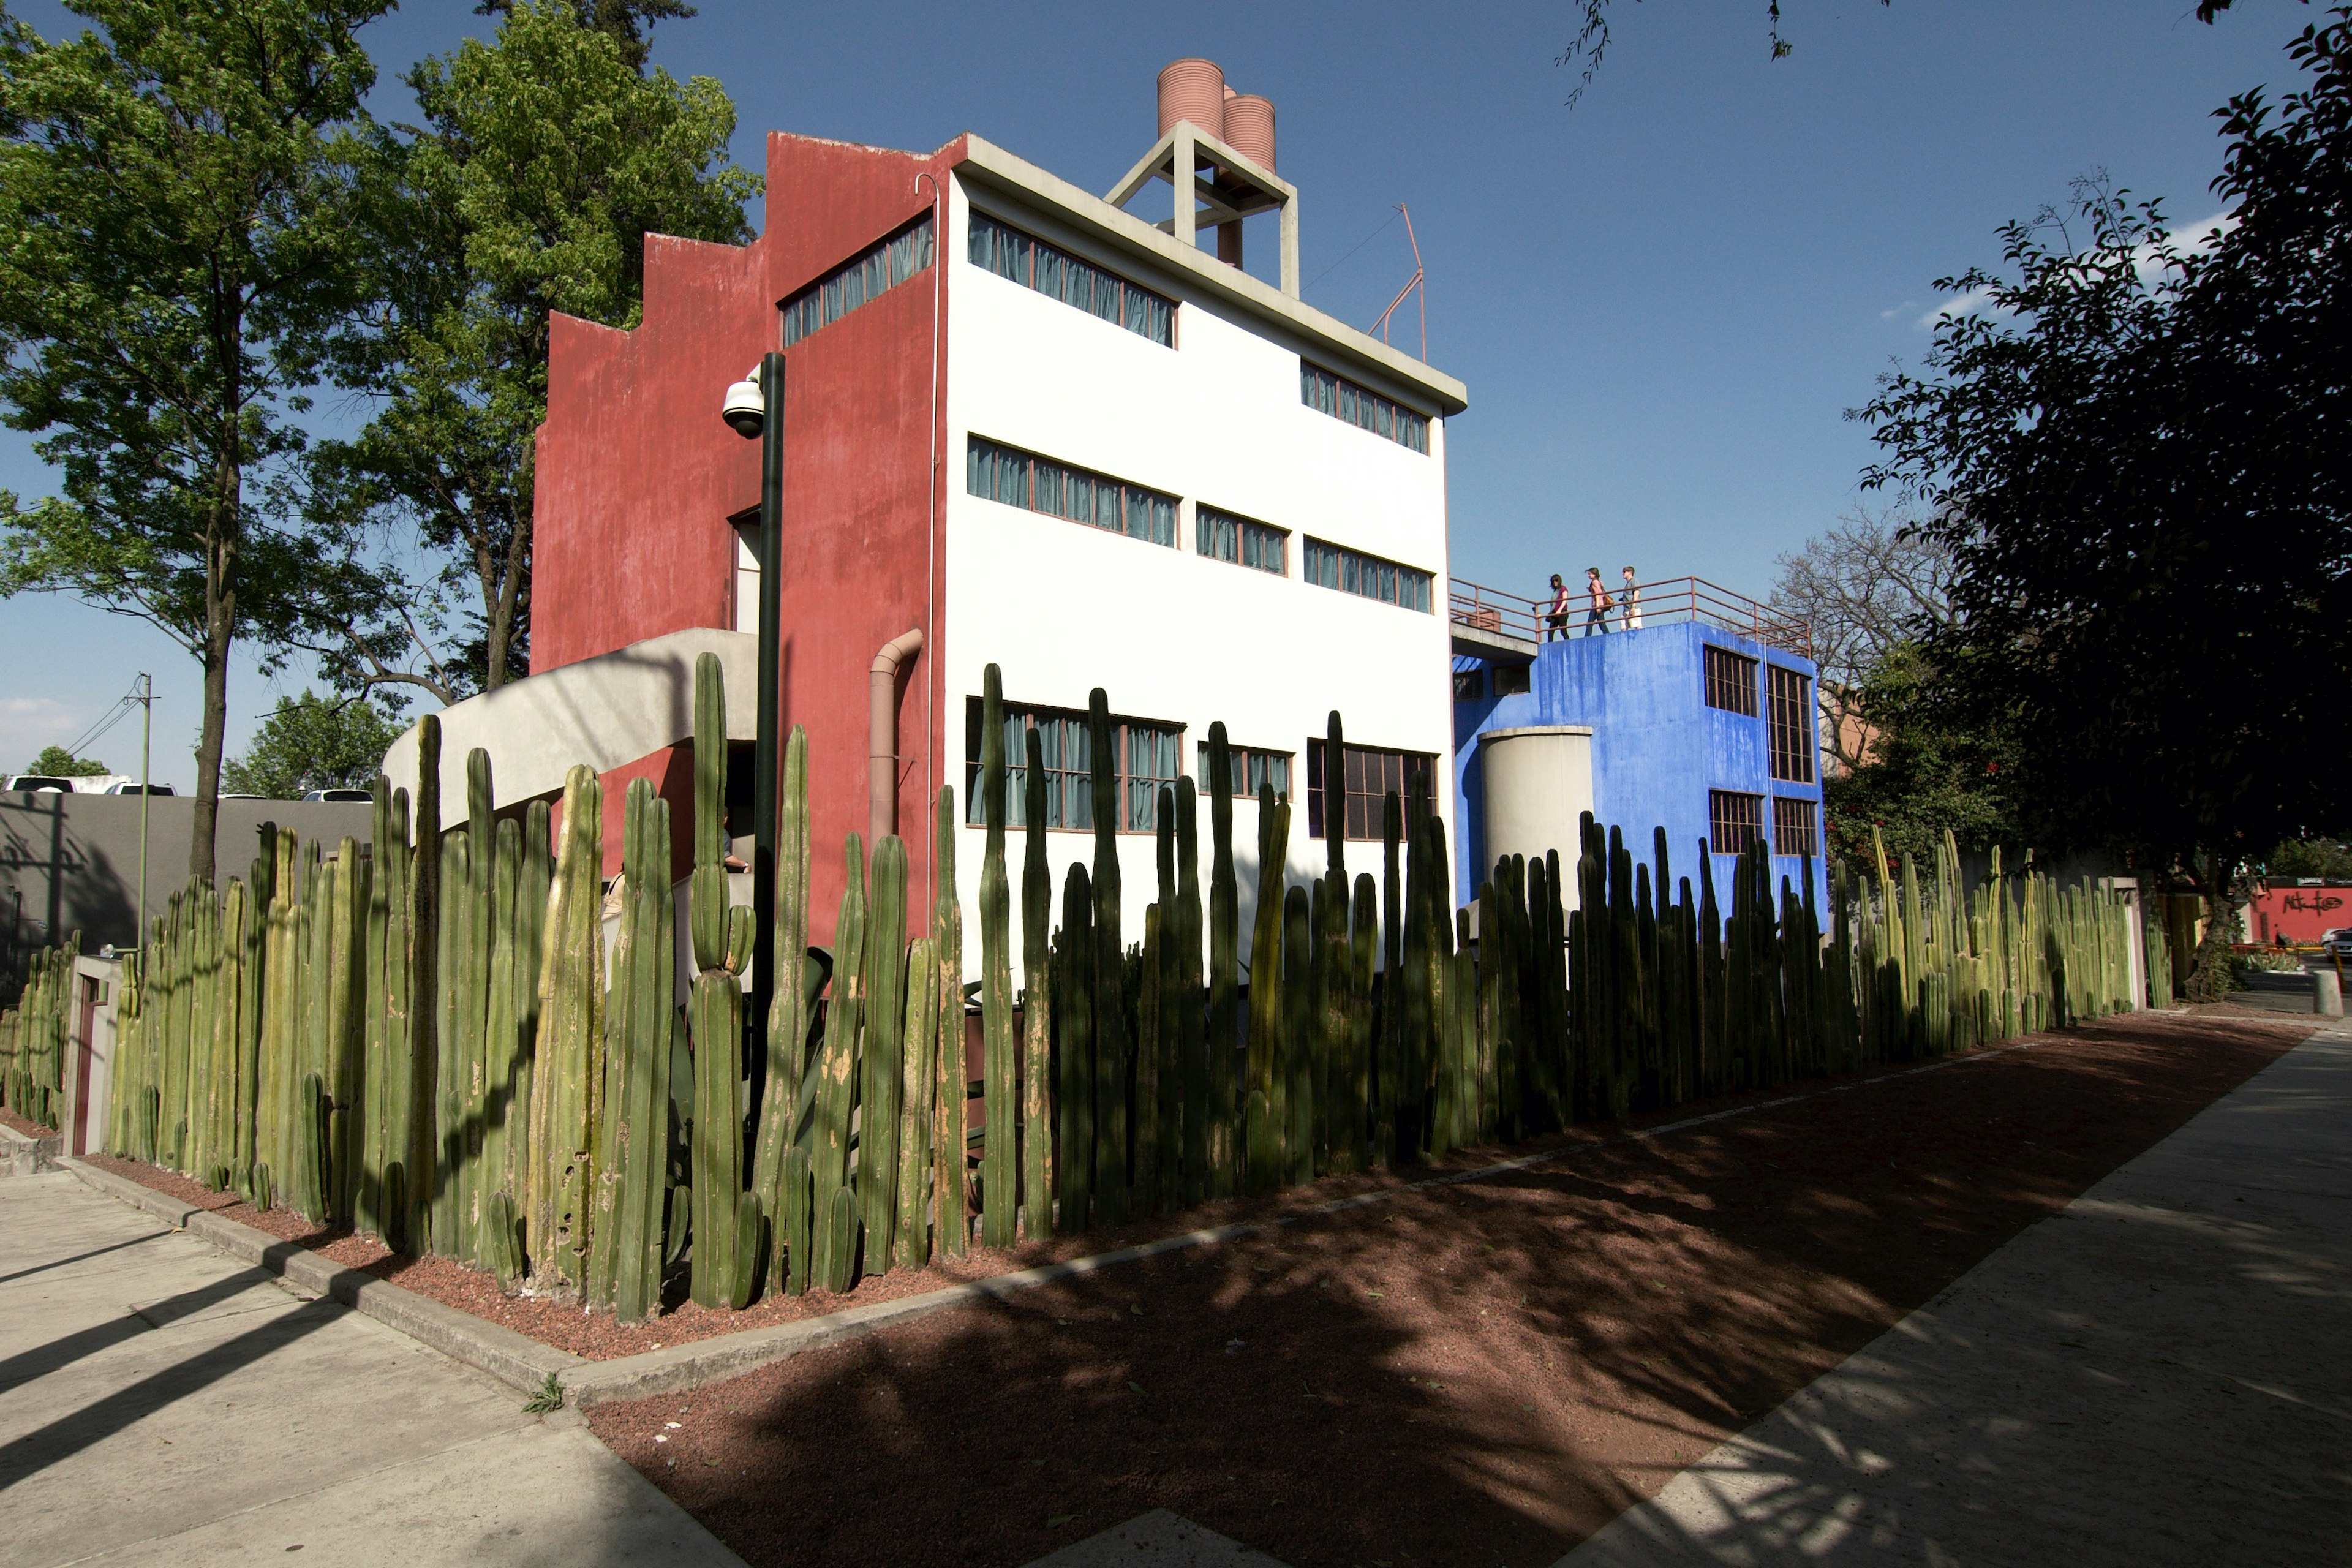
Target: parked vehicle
[[2337, 944], [67, 784], [360, 796], [127, 787]]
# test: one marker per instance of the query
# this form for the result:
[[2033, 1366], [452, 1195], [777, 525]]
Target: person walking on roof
[[1631, 600], [1597, 617], [1556, 619]]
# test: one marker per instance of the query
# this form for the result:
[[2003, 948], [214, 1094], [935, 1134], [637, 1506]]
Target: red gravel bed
[[26, 1125], [1478, 1374]]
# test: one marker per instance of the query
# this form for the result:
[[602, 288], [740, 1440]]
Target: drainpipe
[[882, 735]]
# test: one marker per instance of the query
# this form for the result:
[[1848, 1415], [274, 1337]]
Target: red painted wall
[[2283, 910], [637, 477]]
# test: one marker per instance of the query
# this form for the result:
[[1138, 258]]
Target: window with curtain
[[1367, 576], [863, 278], [1251, 767], [1144, 756], [1221, 536], [1355, 796], [1367, 410], [1000, 473], [1033, 264]]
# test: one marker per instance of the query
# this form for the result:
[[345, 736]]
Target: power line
[[1353, 250]]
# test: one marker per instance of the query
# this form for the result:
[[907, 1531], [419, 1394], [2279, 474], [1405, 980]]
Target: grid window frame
[[1012, 476], [1796, 827], [1251, 766], [1068, 748], [1513, 678], [1731, 679], [1735, 819], [1334, 566], [1789, 733], [996, 247], [1327, 392], [1223, 535], [1369, 774]]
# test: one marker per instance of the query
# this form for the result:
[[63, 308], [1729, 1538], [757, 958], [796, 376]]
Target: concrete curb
[[510, 1357], [22, 1154]]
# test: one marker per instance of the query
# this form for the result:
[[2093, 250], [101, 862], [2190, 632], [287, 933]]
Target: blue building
[[1680, 722]]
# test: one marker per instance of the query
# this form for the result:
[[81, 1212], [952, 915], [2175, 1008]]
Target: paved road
[[2155, 1376], [162, 1404]]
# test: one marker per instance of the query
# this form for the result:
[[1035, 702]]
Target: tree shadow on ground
[[1481, 1373]]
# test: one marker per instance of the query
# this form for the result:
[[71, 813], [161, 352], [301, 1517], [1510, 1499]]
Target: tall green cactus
[[1224, 1020], [1036, 1006], [919, 1072], [1111, 1040], [999, 1171], [835, 1222], [568, 1050], [882, 1062], [716, 1026], [1266, 1130], [625, 1252], [422, 1162], [1073, 1011], [783, 1114], [951, 1232], [1192, 1037]]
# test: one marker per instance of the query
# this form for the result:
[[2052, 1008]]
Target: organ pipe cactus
[[1224, 1019], [950, 1233], [783, 1114], [625, 1253], [1111, 1040], [568, 1050], [999, 1216], [1036, 1005], [1073, 1010], [881, 1058], [835, 1223]]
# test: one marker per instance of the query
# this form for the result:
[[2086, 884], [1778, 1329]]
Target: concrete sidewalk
[[2155, 1376], [160, 1403]]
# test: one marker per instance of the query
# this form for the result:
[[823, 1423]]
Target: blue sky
[[1662, 300]]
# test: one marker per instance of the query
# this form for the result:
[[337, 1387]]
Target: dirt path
[[1478, 1374]]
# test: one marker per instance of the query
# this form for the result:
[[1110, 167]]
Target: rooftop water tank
[[1195, 91], [1539, 781]]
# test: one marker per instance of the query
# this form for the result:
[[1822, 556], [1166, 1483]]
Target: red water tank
[[1195, 91], [1249, 129]]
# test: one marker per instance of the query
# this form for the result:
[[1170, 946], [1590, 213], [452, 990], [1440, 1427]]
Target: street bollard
[[2327, 993]]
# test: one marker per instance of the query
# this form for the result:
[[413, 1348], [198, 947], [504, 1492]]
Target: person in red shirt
[[1556, 619]]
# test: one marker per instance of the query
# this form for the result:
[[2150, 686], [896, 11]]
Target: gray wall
[[71, 862]]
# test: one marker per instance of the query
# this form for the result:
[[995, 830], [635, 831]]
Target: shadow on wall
[[71, 862]]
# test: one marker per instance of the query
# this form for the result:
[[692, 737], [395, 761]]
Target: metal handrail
[[1663, 603]]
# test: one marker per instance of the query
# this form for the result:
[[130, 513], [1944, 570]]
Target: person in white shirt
[[1629, 604]]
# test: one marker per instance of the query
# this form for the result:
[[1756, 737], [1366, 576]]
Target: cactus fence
[[419, 1037]]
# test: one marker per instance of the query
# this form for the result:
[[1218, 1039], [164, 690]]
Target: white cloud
[[1967, 304], [1892, 311], [2189, 237]]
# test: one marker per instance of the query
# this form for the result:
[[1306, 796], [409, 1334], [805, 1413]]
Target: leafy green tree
[[625, 22], [543, 161], [56, 762], [1916, 776], [2140, 457], [2324, 856], [177, 242], [312, 743]]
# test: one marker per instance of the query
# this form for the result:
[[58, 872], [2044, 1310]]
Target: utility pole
[[143, 693]]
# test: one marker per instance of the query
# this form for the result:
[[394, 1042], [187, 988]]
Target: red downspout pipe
[[882, 735]]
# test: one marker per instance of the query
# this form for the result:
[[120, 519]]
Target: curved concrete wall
[[1539, 782]]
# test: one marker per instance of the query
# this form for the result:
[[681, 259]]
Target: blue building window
[[1730, 681], [1790, 730], [856, 281], [1793, 826], [1033, 264], [1734, 821]]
